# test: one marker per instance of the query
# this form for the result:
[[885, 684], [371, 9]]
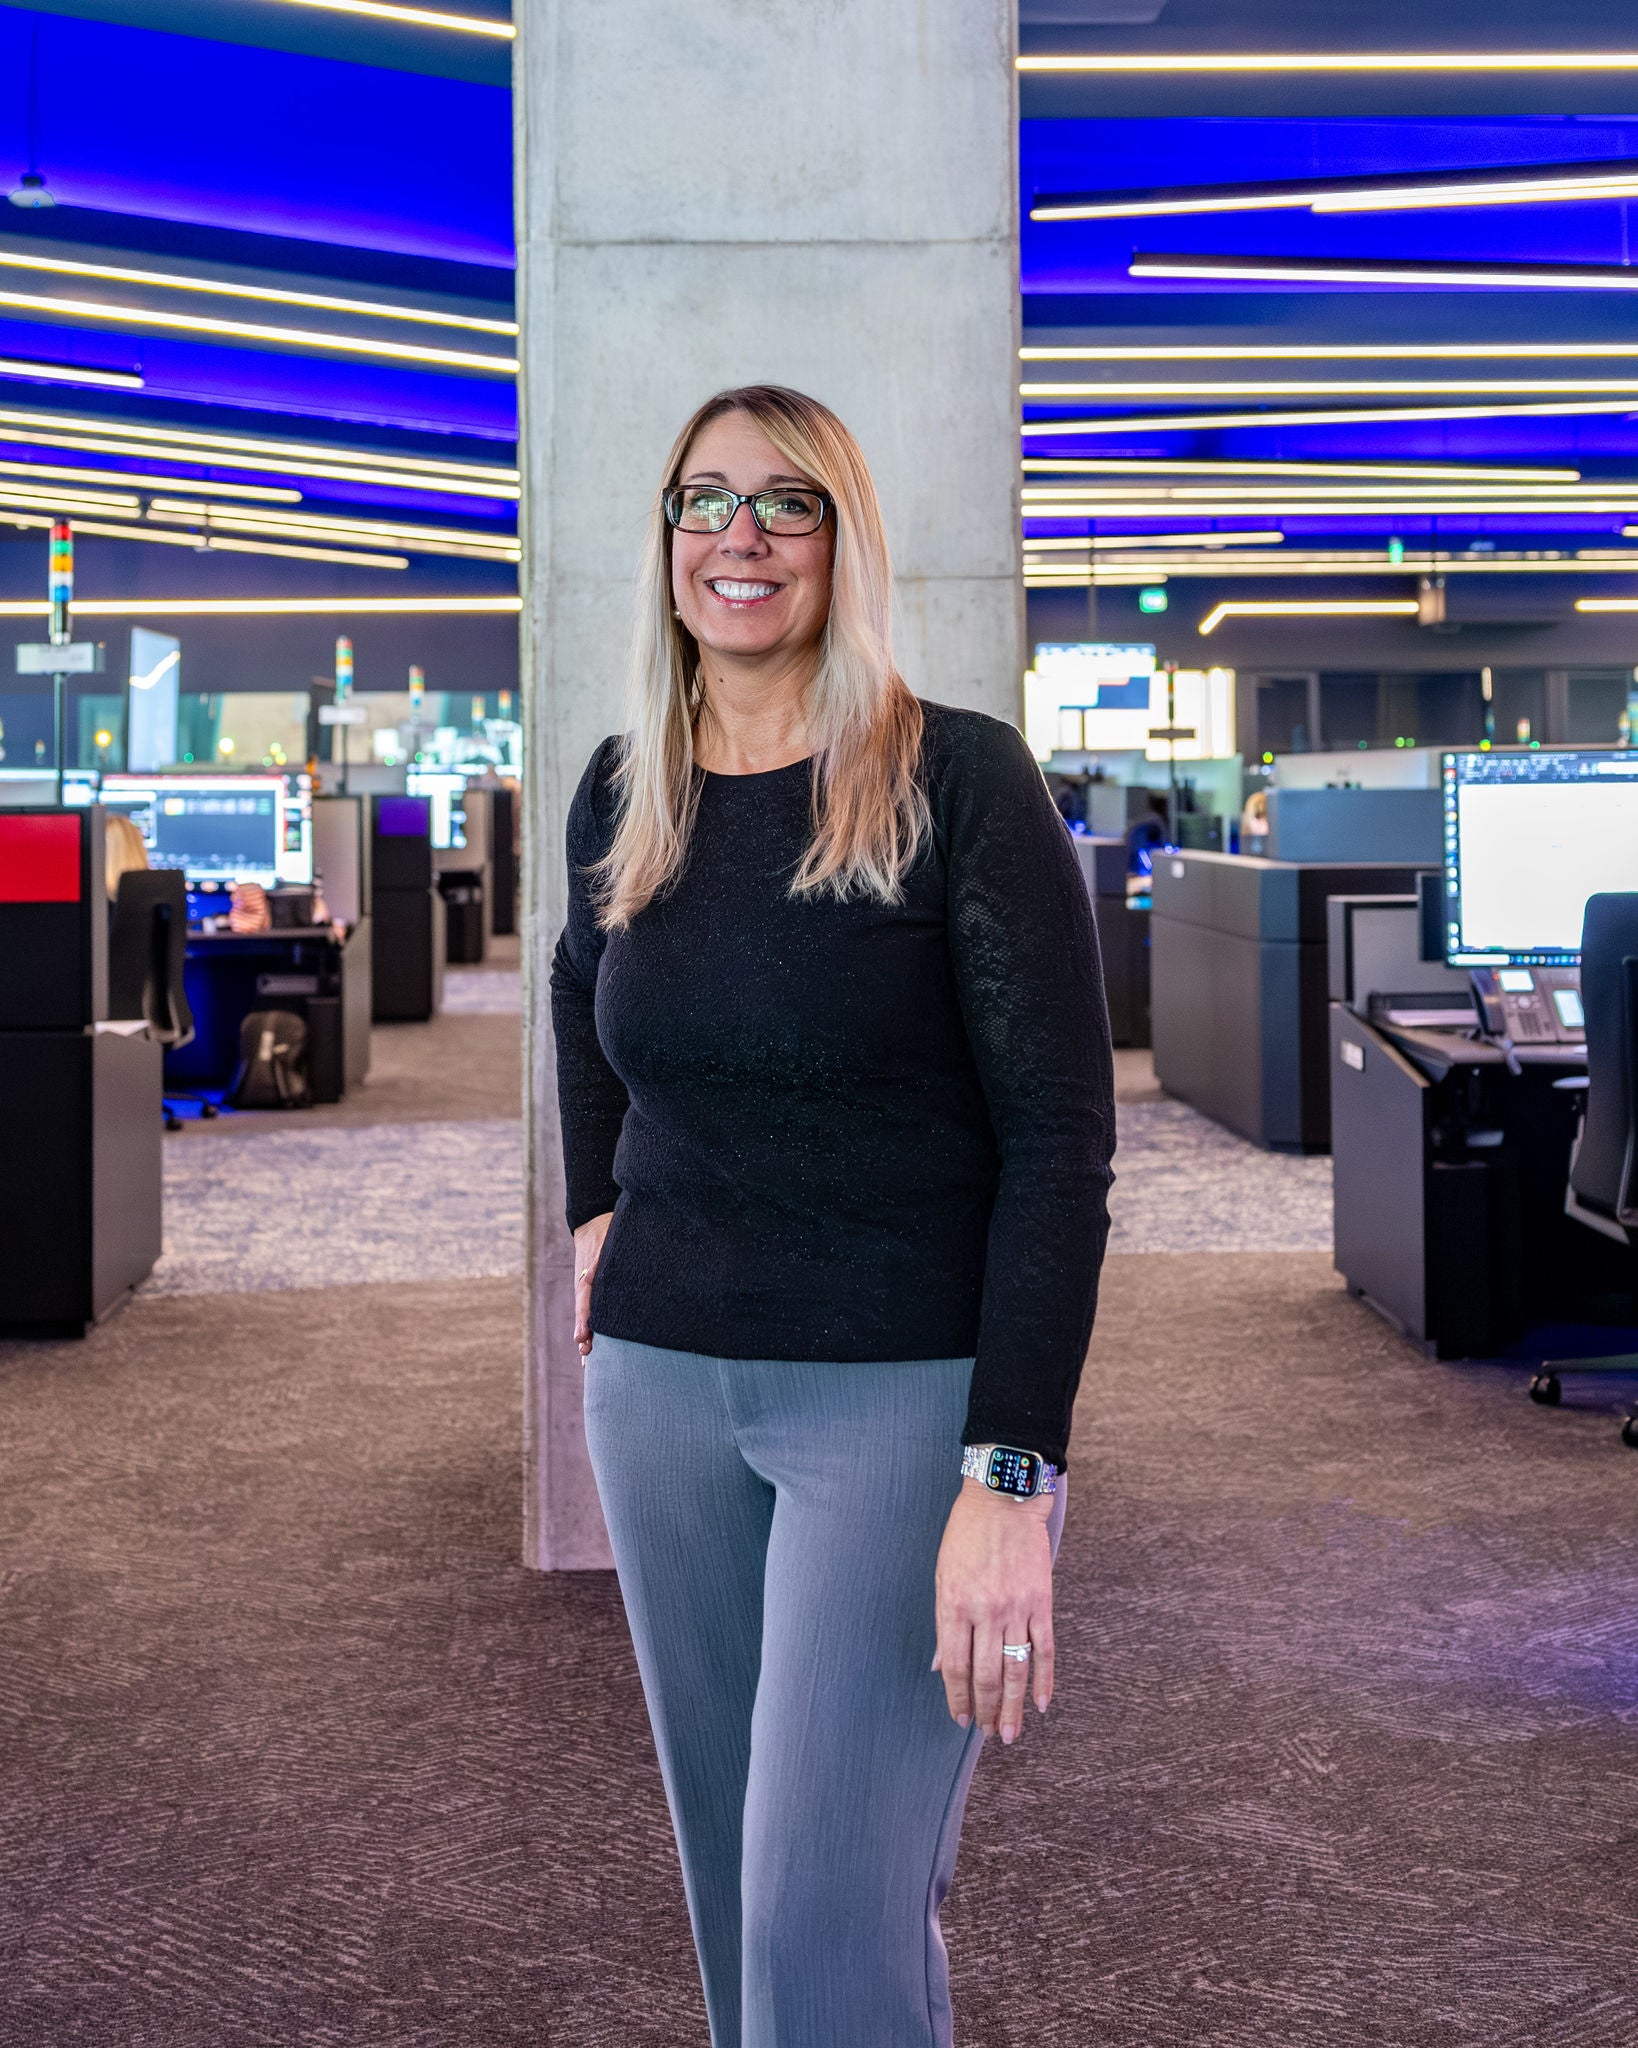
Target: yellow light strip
[[99, 530], [291, 466], [266, 547], [1371, 415], [181, 437], [68, 502], [1337, 387], [1334, 60], [414, 17], [245, 520], [1331, 352], [253, 330], [1324, 608], [268, 494], [1606, 604], [225, 288], [256, 607]]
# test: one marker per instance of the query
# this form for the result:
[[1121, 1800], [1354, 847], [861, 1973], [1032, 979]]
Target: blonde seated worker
[[123, 852]]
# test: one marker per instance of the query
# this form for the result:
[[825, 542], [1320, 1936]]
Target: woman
[[837, 1117]]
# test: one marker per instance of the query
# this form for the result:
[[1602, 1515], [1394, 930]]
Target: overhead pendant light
[[31, 191]]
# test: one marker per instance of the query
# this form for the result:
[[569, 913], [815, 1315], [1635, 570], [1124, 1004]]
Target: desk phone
[[1531, 1005]]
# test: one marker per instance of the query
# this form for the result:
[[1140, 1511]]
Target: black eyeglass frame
[[672, 503]]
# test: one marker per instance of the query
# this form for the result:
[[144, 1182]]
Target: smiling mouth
[[729, 590]]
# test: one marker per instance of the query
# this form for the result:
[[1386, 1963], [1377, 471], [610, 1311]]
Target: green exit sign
[[1151, 600]]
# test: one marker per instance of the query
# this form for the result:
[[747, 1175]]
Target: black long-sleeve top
[[849, 1130]]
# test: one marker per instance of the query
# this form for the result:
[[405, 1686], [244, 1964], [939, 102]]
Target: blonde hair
[[870, 815], [123, 852]]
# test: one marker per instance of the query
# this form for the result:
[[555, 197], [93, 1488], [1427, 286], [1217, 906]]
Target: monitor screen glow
[[1529, 836], [220, 829]]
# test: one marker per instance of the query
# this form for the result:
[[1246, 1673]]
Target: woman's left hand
[[994, 1586]]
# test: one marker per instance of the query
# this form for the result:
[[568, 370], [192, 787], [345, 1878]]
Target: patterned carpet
[[294, 1755]]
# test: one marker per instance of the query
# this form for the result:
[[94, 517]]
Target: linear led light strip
[[227, 288], [1578, 277], [1362, 415], [1328, 508], [268, 494], [1338, 60], [1511, 185], [109, 531], [1115, 466], [423, 539], [183, 540], [1335, 387], [69, 373], [220, 445], [259, 607], [1147, 540], [398, 480], [1331, 352], [1606, 604], [1321, 608], [1283, 566], [71, 501], [414, 17], [1107, 490], [255, 330]]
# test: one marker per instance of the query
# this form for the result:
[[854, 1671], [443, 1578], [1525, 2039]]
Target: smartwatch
[[1004, 1468]]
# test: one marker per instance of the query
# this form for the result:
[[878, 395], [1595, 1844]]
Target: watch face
[[1015, 1472]]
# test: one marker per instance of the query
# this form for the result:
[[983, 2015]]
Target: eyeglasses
[[711, 508]]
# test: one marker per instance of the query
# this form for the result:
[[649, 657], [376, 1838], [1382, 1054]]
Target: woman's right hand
[[588, 1249]]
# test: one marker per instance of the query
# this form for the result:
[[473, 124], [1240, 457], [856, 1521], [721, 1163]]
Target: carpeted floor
[[293, 1754]]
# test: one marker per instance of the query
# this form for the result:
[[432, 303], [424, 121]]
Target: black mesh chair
[[1603, 1189], [147, 945]]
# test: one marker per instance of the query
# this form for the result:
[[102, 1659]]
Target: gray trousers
[[775, 1527]]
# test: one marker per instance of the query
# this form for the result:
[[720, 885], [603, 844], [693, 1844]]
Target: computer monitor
[[37, 787], [220, 829], [1529, 836], [447, 790]]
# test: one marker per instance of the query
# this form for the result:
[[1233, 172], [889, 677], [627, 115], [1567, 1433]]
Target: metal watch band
[[975, 1464]]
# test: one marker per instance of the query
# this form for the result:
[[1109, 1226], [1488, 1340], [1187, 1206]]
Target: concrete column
[[811, 192]]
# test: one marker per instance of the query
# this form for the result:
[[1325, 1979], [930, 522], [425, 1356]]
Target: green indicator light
[[1396, 549], [1151, 600]]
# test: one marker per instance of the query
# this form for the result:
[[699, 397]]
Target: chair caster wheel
[[173, 1123], [1629, 1431], [208, 1109], [1546, 1390]]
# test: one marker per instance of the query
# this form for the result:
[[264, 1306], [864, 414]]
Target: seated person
[[123, 852], [1254, 820]]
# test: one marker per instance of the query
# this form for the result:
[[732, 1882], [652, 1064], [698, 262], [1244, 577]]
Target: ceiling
[[283, 241], [1302, 381]]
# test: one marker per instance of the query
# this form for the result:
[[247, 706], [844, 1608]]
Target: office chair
[[1603, 1185], [147, 945]]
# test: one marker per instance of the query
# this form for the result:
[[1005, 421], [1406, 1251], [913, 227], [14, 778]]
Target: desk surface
[[277, 934], [1466, 1049]]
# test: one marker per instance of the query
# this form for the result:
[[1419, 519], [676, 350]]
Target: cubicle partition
[[1239, 987], [80, 1201]]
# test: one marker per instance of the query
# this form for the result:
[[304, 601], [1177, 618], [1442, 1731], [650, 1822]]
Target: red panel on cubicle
[[40, 858]]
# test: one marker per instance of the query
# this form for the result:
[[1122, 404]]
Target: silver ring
[[1018, 1652]]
